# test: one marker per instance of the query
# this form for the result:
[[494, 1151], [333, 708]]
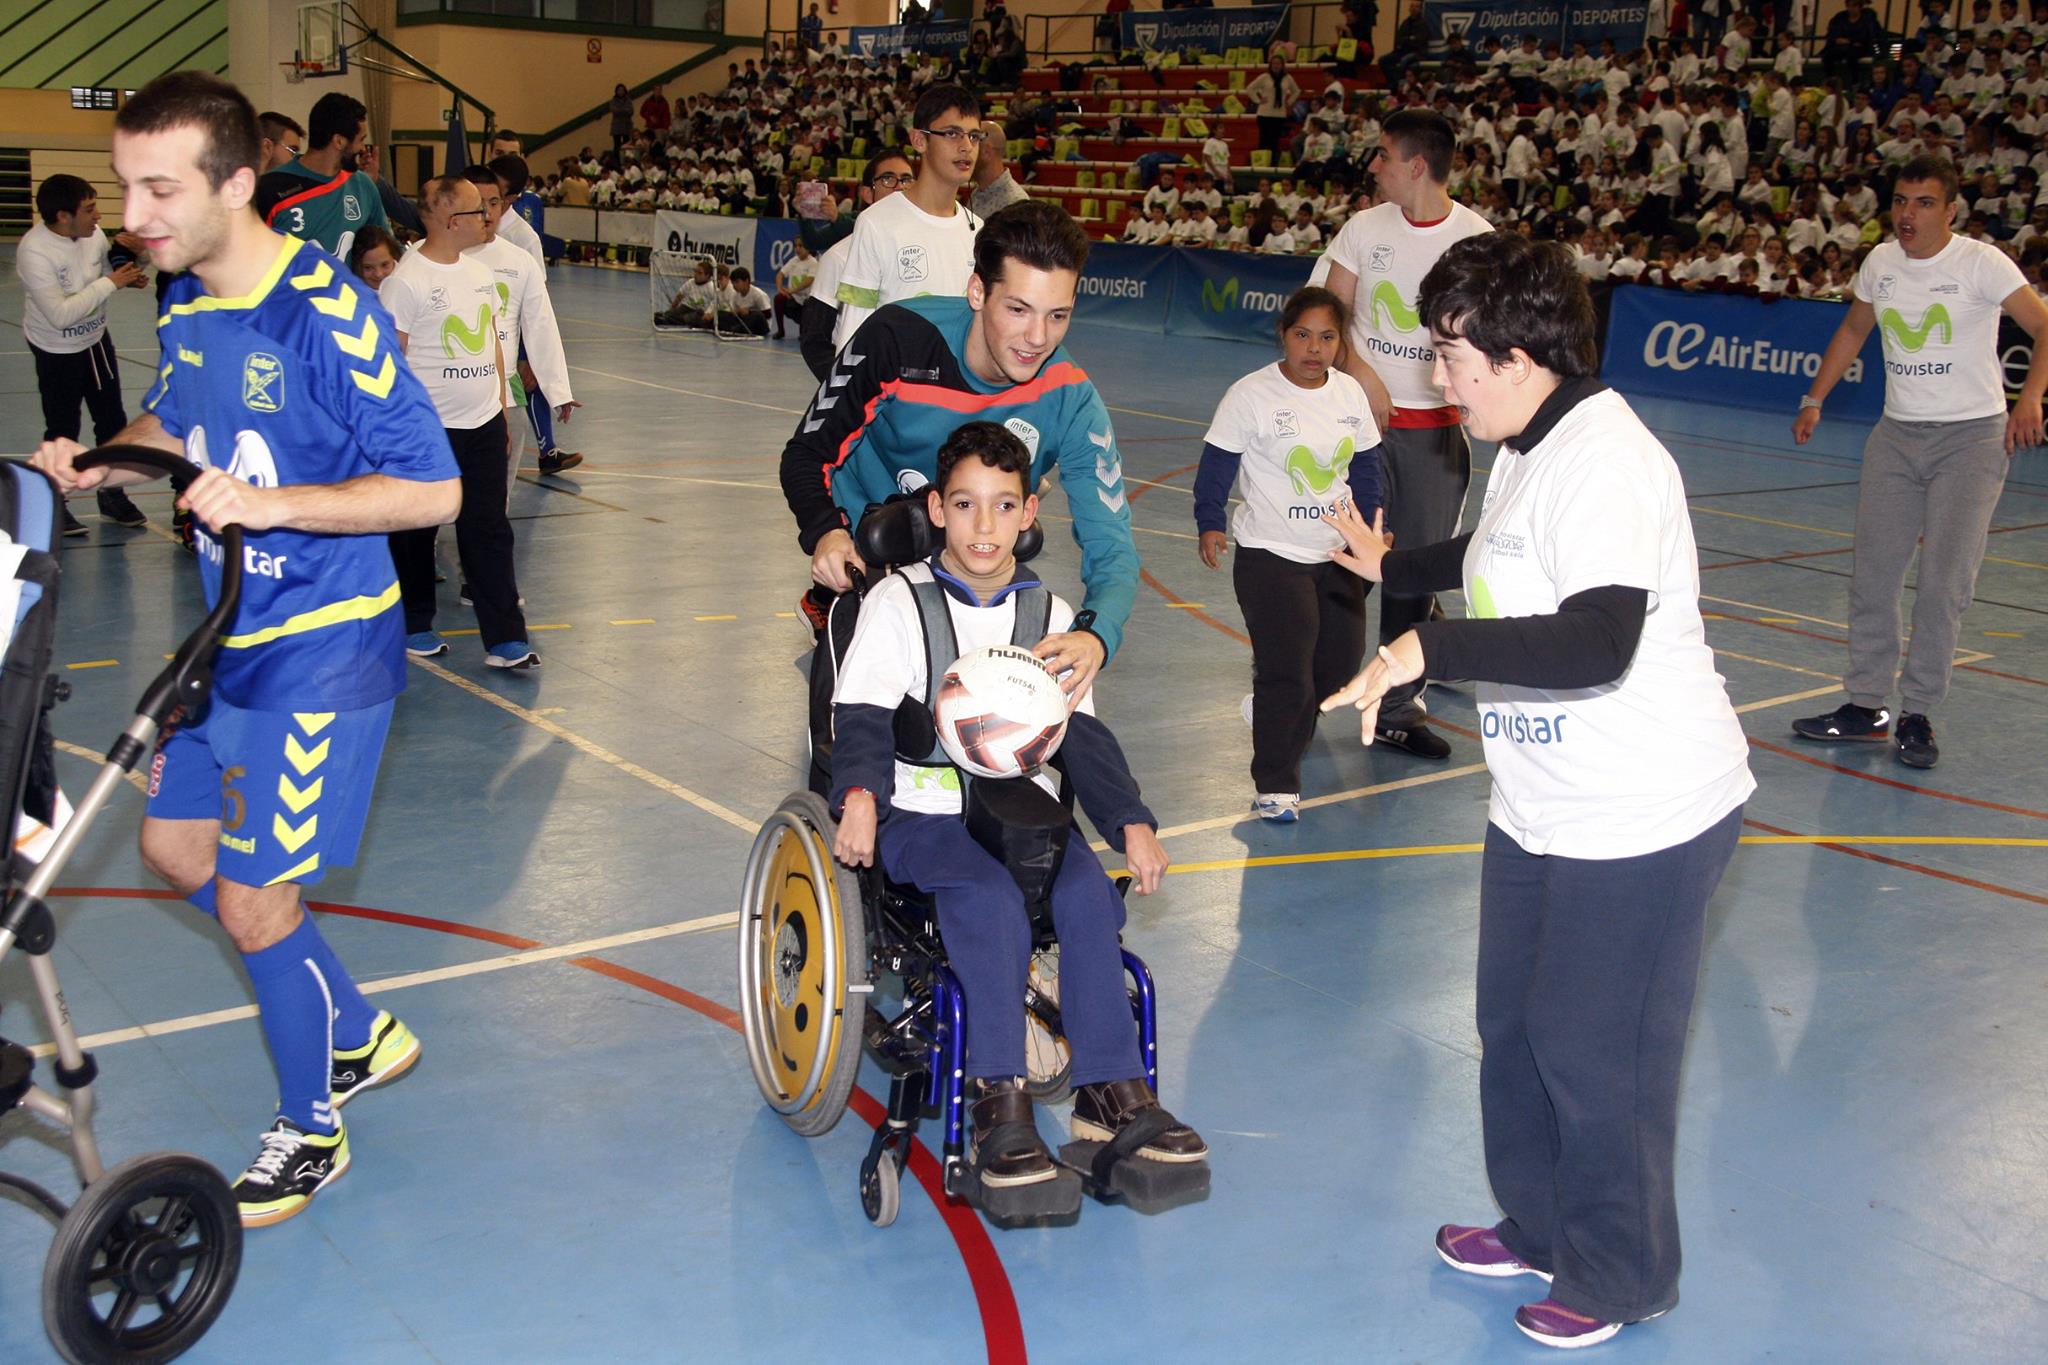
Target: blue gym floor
[[581, 1169]]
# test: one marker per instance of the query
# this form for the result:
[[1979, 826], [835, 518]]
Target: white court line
[[1773, 663], [691, 393], [525, 958], [594, 749], [1769, 702], [1775, 611]]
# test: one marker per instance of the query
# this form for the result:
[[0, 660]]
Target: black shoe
[[1005, 1149], [1914, 745], [116, 507], [293, 1166], [559, 461], [1413, 738], [1104, 1109], [72, 526], [182, 523], [1846, 722]]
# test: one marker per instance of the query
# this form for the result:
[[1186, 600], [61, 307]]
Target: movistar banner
[[886, 40], [1205, 30], [1565, 21], [1743, 353], [1232, 295], [1126, 286], [774, 248]]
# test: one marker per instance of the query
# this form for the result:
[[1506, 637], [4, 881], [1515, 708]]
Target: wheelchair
[[836, 961]]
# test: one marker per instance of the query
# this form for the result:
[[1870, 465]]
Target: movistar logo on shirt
[[1387, 300], [472, 339], [1914, 336], [1312, 477]]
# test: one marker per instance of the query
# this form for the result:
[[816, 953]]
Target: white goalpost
[[680, 303]]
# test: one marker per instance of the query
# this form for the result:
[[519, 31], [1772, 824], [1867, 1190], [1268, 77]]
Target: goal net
[[686, 299]]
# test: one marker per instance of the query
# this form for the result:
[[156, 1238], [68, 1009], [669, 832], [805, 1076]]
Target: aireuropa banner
[[1205, 30], [1126, 286], [774, 248], [1741, 353], [887, 40], [730, 240], [1231, 295], [1562, 21]]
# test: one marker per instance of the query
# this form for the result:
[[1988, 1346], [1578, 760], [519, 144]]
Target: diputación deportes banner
[[1205, 30], [1563, 21], [886, 40], [1740, 352], [1202, 293]]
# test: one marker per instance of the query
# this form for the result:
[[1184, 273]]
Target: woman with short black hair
[[1619, 773]]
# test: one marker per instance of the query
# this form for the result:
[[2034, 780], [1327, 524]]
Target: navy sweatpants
[[988, 942]]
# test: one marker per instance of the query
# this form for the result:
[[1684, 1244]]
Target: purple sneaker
[[1553, 1324], [1478, 1251]]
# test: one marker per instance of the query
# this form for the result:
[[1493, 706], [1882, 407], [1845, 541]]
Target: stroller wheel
[[143, 1263]]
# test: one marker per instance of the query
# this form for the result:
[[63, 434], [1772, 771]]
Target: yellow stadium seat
[[1149, 107], [1196, 127], [1781, 198], [1170, 127], [1237, 80], [1090, 208], [1262, 160], [1347, 50], [1233, 105], [1084, 179], [1131, 178]]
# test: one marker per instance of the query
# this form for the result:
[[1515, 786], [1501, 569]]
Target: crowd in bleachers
[[1722, 155]]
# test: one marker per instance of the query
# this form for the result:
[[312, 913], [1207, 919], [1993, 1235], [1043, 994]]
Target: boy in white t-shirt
[[920, 241], [1935, 464], [445, 307]]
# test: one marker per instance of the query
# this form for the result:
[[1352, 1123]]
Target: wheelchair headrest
[[900, 531]]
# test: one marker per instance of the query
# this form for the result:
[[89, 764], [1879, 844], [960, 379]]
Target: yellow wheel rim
[[793, 942]]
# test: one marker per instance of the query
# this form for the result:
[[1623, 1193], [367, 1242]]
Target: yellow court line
[[785, 616], [1159, 416], [1768, 702], [2005, 635], [715, 618], [563, 626], [1773, 521], [2017, 563], [636, 621], [1188, 606], [593, 749], [1758, 606], [95, 663], [98, 759], [1773, 663]]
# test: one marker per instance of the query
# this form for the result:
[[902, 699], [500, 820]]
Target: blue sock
[[543, 419], [294, 997], [204, 899], [353, 1015]]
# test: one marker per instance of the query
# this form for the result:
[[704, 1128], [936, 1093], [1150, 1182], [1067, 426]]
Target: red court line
[[1865, 853], [1838, 640], [1777, 559], [1001, 1324], [1783, 752]]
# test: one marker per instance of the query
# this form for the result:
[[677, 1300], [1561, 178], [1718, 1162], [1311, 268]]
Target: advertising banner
[[730, 240], [1126, 286], [1205, 30], [887, 40], [1562, 21], [1231, 295], [1743, 353], [774, 240]]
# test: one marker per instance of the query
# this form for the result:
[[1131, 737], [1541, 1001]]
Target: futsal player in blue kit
[[280, 379]]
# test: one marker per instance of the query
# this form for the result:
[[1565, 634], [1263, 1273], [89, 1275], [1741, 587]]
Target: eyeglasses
[[957, 135], [889, 180], [467, 213]]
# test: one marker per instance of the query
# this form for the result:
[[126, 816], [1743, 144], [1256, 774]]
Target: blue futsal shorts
[[291, 789]]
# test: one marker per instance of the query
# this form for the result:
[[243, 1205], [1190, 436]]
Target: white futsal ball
[[1000, 712]]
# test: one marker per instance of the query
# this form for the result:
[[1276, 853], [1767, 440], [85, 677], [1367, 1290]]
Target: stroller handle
[[188, 679]]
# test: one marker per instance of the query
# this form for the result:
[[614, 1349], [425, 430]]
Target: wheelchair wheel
[[881, 1191], [1048, 1060], [143, 1263], [803, 951]]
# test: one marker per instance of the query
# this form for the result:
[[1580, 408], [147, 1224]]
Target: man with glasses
[[445, 306], [282, 138], [1376, 265], [922, 240], [884, 176]]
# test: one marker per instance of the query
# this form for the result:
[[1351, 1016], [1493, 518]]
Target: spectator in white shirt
[[1200, 228]]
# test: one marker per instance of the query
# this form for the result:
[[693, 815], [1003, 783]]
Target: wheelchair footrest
[[1146, 1185], [1049, 1203]]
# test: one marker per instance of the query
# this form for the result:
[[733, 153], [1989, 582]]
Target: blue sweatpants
[[988, 942]]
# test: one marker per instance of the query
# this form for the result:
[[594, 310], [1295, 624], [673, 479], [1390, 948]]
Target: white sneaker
[[1282, 808], [1244, 708]]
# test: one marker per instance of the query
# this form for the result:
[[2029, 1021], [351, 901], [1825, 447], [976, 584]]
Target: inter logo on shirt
[[1382, 258], [263, 382], [1024, 432], [1285, 423], [912, 264], [350, 209], [1887, 285]]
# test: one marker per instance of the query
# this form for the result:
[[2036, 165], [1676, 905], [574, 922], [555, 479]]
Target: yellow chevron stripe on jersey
[[311, 864], [291, 839], [316, 278], [342, 305], [302, 758], [363, 346], [333, 614], [295, 798], [206, 303], [379, 384], [313, 722]]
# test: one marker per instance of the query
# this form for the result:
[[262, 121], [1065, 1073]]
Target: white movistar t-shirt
[[526, 316], [449, 316], [1297, 446], [898, 251], [1939, 318], [516, 230], [1390, 255], [65, 288], [886, 663], [1642, 763]]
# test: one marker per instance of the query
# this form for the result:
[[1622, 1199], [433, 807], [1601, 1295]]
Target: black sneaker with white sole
[[293, 1166], [1847, 723], [1914, 745], [1413, 738], [120, 509], [72, 525], [558, 461]]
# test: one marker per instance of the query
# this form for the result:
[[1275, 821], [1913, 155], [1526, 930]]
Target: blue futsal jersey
[[300, 381]]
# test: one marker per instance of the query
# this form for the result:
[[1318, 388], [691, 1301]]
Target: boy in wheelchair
[[909, 815]]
